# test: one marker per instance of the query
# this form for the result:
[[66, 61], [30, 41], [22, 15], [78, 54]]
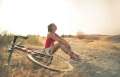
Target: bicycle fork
[[11, 49]]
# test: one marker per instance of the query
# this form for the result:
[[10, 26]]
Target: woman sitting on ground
[[61, 43]]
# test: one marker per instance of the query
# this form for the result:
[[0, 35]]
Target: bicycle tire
[[70, 67]]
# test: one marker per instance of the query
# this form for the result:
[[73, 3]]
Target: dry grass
[[101, 58]]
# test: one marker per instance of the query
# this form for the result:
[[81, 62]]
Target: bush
[[5, 40], [33, 40]]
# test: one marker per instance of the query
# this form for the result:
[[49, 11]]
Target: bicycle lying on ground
[[39, 56]]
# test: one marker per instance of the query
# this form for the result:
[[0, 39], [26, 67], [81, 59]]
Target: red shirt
[[49, 42]]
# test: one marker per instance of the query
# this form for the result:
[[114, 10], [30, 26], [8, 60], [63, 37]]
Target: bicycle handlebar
[[14, 40], [24, 37]]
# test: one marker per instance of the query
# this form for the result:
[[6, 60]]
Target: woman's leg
[[67, 49], [55, 48]]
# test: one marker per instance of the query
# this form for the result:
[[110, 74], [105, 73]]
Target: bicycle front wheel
[[55, 63]]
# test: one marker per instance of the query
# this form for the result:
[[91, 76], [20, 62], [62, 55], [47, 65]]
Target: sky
[[71, 16]]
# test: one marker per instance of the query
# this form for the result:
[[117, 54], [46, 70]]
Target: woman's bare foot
[[75, 57]]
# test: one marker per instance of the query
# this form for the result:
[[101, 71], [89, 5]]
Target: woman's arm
[[59, 39]]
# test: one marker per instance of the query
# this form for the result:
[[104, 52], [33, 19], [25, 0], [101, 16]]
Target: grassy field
[[100, 58]]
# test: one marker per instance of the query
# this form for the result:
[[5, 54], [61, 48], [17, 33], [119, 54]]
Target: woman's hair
[[50, 27]]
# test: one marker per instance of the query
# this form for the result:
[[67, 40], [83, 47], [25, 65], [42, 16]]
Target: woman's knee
[[56, 46], [62, 46]]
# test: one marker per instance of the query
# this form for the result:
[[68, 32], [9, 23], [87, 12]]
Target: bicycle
[[37, 56]]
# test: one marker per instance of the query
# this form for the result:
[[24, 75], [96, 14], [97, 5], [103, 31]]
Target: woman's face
[[54, 28]]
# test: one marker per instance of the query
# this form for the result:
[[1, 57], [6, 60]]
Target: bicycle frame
[[21, 48]]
